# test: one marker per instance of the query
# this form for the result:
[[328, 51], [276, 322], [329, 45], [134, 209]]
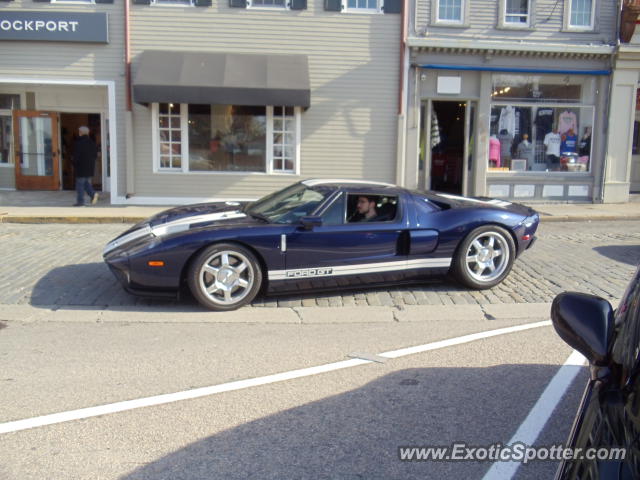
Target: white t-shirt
[[552, 142]]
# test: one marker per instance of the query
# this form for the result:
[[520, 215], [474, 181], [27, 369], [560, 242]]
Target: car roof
[[362, 185]]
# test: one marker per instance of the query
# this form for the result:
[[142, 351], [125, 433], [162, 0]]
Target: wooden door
[[37, 151]]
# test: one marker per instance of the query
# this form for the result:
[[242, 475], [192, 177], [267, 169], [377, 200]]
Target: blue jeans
[[83, 184]]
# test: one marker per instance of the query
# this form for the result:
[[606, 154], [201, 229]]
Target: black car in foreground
[[609, 414]]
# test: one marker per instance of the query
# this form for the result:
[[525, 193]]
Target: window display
[[537, 120]]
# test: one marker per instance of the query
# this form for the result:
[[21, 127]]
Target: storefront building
[[622, 163], [509, 99], [191, 100], [60, 69]]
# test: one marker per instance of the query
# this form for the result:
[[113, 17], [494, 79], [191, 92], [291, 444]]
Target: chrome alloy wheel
[[487, 257], [226, 277]]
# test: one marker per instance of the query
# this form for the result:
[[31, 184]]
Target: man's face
[[364, 205]]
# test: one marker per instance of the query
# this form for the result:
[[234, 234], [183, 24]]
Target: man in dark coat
[[85, 153]]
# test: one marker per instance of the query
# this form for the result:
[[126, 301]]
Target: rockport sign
[[54, 26]]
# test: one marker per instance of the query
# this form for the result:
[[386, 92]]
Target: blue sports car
[[319, 234]]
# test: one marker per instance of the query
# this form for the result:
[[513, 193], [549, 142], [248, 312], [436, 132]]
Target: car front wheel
[[484, 258], [224, 277]]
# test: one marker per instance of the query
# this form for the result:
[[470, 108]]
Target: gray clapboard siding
[[547, 27], [350, 128]]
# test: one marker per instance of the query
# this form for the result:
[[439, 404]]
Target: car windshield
[[290, 204]]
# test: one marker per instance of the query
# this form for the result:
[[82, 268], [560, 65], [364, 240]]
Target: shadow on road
[[629, 254], [357, 434], [92, 285]]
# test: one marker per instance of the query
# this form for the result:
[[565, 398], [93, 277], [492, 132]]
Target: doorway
[[69, 124], [447, 134]]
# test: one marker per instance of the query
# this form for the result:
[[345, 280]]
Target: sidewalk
[[55, 207]]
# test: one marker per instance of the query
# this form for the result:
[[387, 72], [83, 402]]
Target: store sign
[[54, 26]]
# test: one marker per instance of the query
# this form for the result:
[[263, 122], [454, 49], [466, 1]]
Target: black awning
[[222, 79]]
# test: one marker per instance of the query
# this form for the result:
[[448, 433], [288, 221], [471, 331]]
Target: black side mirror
[[585, 322], [310, 222]]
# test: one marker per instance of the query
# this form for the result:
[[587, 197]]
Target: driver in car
[[365, 210]]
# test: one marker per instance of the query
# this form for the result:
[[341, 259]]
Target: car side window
[[371, 208], [335, 213]]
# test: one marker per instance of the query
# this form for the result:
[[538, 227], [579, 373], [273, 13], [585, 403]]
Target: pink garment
[[494, 150], [567, 121]]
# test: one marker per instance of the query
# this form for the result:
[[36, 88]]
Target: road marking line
[[540, 414], [89, 412]]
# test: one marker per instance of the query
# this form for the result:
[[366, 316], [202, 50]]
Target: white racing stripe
[[83, 413], [539, 414], [360, 269]]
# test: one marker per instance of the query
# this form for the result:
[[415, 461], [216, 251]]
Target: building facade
[[194, 100], [509, 98]]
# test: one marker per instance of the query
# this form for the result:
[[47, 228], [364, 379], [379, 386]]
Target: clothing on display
[[506, 142], [584, 146], [552, 141], [507, 120], [494, 150], [525, 151], [435, 130], [567, 121], [569, 143], [544, 121]]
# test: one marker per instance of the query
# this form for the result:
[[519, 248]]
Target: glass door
[[36, 150]]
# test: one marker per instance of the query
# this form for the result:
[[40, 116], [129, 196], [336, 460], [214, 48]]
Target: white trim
[[502, 17], [436, 20], [362, 268], [285, 6], [498, 45]]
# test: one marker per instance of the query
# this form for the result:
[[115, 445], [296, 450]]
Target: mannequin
[[525, 150]]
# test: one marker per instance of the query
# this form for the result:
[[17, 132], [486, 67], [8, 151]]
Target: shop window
[[9, 101], [635, 147], [541, 138], [579, 14], [542, 88], [226, 138]]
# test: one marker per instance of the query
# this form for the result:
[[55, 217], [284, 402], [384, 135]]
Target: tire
[[484, 258], [224, 277]]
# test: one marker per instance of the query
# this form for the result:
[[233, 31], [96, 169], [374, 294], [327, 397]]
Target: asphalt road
[[343, 424]]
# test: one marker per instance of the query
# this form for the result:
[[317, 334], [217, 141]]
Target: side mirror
[[310, 222], [585, 322]]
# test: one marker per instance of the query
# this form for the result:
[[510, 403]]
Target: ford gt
[[319, 234]]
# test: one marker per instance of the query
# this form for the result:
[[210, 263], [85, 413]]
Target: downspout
[[402, 100], [130, 170]]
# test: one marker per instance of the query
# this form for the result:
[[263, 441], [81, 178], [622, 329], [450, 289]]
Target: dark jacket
[[85, 153]]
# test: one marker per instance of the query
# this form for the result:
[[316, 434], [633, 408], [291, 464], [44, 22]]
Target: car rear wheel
[[484, 258], [224, 277]]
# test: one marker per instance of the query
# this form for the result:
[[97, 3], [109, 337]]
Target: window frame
[[502, 17], [464, 15], [578, 28], [368, 11], [74, 2], [172, 3], [184, 129], [285, 6]]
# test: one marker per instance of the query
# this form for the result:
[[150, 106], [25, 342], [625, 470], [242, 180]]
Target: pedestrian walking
[[85, 153]]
